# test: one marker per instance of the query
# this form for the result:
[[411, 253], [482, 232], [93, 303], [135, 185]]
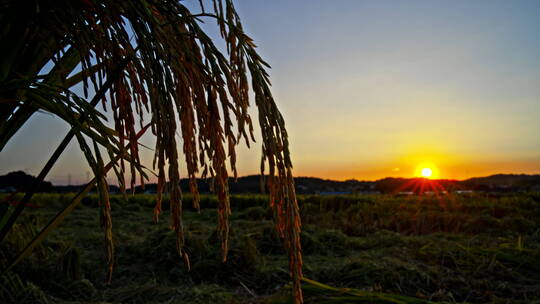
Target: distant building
[[369, 192], [334, 192], [405, 193], [8, 190], [302, 188]]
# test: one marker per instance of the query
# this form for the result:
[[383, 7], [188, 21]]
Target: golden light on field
[[427, 170]]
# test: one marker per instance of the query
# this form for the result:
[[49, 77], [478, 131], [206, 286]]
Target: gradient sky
[[371, 89]]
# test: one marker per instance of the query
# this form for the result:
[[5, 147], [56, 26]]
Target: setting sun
[[426, 172]]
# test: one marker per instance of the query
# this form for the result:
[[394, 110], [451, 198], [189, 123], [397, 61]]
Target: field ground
[[369, 249]]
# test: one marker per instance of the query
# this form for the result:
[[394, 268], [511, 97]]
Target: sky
[[371, 89]]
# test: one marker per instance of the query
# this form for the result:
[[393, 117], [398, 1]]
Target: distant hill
[[312, 185], [505, 179], [396, 185], [20, 181], [504, 182], [492, 183], [252, 184]]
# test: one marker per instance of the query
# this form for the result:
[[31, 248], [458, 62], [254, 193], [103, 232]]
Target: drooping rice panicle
[[174, 73]]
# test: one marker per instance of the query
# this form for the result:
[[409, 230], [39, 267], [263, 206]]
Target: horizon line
[[336, 180]]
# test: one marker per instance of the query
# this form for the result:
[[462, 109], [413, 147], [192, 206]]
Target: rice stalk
[[176, 78]]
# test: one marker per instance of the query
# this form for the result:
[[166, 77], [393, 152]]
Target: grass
[[357, 249]]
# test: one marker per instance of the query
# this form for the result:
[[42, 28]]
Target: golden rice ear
[[75, 201], [160, 189], [174, 76]]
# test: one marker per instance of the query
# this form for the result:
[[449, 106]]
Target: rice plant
[[152, 65]]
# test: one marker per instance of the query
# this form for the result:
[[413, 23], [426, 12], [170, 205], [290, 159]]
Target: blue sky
[[374, 88]]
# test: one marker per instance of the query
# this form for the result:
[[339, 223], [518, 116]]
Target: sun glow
[[427, 170]]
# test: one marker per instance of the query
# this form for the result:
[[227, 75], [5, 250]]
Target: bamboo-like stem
[[59, 150], [61, 215]]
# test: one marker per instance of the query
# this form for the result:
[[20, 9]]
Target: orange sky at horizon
[[457, 172]]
